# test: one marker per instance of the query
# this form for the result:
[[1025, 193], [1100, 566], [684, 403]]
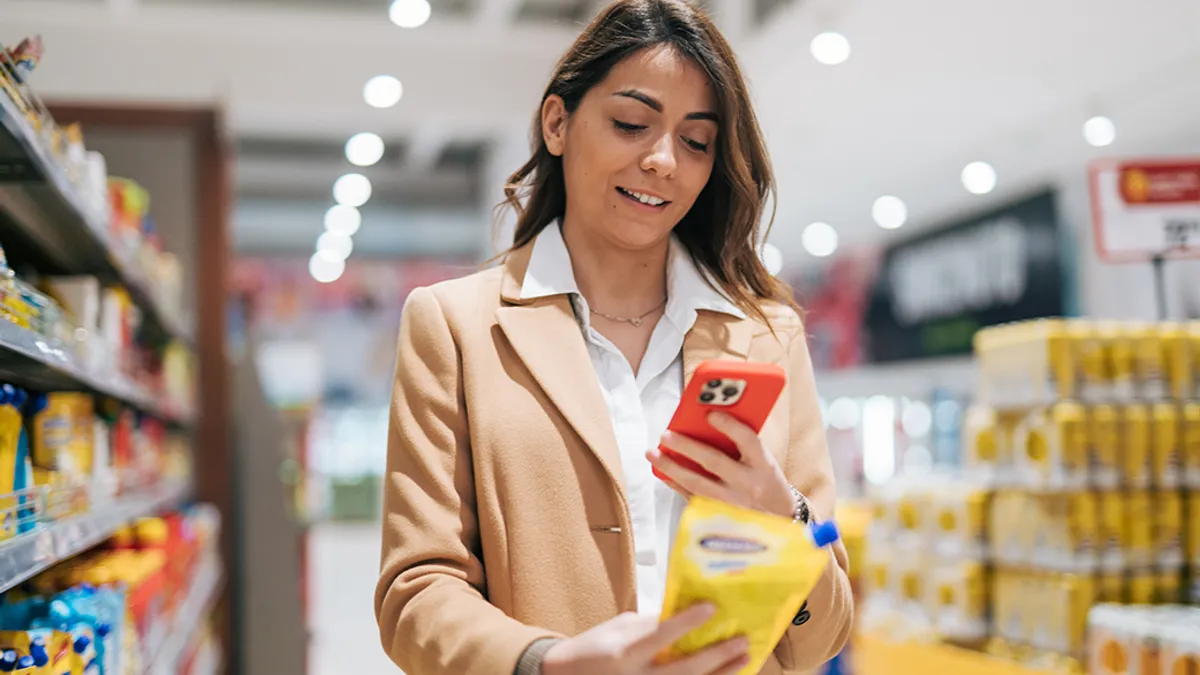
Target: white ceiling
[[930, 86]]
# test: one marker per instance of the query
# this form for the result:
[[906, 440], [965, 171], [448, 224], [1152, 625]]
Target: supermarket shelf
[[26, 555], [41, 207], [176, 638], [877, 656], [28, 360]]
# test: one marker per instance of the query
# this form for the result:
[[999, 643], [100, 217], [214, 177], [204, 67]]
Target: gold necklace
[[636, 321]]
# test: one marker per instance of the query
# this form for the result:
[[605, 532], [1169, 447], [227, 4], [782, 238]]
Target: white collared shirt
[[640, 405]]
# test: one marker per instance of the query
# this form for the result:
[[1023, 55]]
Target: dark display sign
[[934, 291]]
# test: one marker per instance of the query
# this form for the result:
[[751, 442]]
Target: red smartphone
[[746, 391]]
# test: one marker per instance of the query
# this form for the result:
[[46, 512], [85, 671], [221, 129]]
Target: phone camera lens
[[714, 384], [707, 397], [729, 392]]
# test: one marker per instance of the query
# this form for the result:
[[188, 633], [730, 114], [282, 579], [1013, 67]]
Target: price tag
[[1146, 209]]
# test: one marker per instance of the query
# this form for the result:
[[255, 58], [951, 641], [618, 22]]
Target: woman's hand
[[627, 645], [755, 481]]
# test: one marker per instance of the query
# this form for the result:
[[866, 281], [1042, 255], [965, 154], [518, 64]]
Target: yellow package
[[755, 568], [1151, 362], [1140, 514], [1179, 360], [1053, 448], [1110, 587], [1114, 532], [1166, 462], [1142, 587], [1136, 432], [1168, 530], [1190, 445], [1082, 532], [1106, 447], [1122, 359], [958, 601], [1168, 587], [1093, 358], [1192, 536]]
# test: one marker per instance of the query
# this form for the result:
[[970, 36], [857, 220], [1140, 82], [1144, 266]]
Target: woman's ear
[[554, 124]]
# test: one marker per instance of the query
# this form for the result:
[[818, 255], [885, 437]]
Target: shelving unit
[[176, 638], [25, 555], [40, 207]]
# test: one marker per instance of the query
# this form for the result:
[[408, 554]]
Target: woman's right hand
[[628, 644]]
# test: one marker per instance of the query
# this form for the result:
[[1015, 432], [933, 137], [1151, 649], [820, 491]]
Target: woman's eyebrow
[[657, 106]]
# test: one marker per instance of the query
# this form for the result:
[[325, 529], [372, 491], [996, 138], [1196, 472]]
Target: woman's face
[[638, 150]]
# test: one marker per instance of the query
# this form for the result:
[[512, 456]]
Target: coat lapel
[[715, 335], [546, 337]]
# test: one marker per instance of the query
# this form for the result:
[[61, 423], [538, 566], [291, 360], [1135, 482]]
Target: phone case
[[747, 391]]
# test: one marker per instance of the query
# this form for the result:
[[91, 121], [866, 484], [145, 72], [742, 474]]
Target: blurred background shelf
[[43, 220], [28, 359], [179, 636], [878, 656], [28, 554]]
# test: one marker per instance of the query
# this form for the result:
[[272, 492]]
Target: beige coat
[[505, 520]]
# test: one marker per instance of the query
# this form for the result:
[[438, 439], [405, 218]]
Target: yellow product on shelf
[[1053, 448], [877, 656], [1136, 437], [1192, 536], [1190, 444], [1078, 593], [1009, 622], [1141, 517], [1073, 531], [987, 449], [1106, 447], [1179, 360], [1165, 457], [1013, 528], [1142, 586], [1122, 346], [1093, 358], [1110, 587], [1151, 362], [1168, 586], [1168, 517], [958, 601], [1114, 532], [1111, 641], [1180, 648], [1193, 337], [959, 514]]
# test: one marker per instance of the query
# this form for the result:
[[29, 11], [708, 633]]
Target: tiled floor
[[345, 564]]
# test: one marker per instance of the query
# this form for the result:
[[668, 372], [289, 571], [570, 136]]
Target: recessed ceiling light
[[772, 258], [353, 189], [979, 178], [382, 91], [889, 212], [325, 268], [335, 244], [409, 13], [343, 218], [830, 48], [819, 239], [364, 149], [1099, 131]]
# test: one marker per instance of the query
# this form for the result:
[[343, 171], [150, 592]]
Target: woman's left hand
[[755, 481]]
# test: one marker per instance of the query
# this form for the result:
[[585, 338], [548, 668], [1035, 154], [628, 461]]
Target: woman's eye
[[627, 127], [696, 145]]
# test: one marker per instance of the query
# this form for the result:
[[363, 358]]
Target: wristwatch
[[801, 514]]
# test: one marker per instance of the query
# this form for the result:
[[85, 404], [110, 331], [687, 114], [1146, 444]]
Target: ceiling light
[[409, 13], [342, 218], [979, 178], [830, 48], [335, 244], [382, 91], [1099, 131], [364, 149], [772, 258], [325, 268], [889, 212], [353, 189], [819, 239]]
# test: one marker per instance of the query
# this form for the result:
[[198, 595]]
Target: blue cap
[[27, 662], [82, 643], [103, 629], [8, 661], [825, 533], [37, 652]]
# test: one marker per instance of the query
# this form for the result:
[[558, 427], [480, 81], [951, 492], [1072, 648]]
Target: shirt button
[[801, 618]]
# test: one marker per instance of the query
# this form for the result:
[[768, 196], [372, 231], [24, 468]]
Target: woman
[[523, 528]]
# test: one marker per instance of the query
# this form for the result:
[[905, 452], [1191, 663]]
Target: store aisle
[[344, 566]]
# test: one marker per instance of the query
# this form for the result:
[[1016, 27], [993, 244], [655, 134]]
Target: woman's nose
[[661, 157]]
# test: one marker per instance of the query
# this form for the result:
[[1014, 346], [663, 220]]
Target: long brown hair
[[722, 229]]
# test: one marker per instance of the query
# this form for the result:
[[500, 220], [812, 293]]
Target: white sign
[[1144, 209]]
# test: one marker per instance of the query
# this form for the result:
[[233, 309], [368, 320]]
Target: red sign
[[1146, 183]]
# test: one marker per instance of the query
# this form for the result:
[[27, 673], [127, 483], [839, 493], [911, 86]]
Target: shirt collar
[[550, 273]]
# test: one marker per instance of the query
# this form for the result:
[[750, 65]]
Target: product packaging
[[756, 568]]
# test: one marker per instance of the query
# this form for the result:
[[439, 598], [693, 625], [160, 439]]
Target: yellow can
[[1167, 516], [1141, 530], [1063, 373], [1122, 344], [1151, 363], [1092, 356], [1114, 532], [1168, 587], [1166, 460], [1083, 530], [1105, 445], [1142, 587], [1080, 595], [1190, 445], [1179, 361], [1136, 435], [1192, 538], [1110, 587]]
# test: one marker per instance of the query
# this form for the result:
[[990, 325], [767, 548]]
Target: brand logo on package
[[731, 545]]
